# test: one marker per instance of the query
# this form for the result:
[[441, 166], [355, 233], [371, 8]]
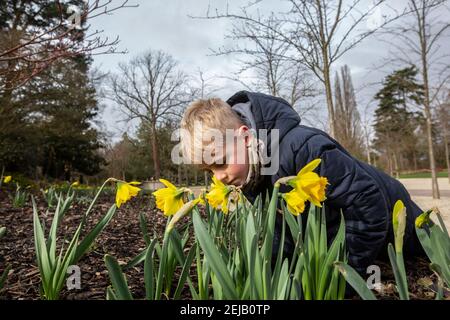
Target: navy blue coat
[[365, 194]]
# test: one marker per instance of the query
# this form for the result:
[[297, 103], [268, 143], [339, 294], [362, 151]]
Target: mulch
[[123, 239]]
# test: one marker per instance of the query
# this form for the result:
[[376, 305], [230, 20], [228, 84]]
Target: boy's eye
[[218, 166]]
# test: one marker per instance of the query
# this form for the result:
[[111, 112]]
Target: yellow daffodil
[[423, 219], [295, 203], [169, 199], [309, 185], [7, 179], [125, 191], [75, 184], [218, 196]]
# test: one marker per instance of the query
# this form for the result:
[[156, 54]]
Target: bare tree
[[31, 40], [150, 88], [317, 32], [419, 40], [348, 123], [261, 53]]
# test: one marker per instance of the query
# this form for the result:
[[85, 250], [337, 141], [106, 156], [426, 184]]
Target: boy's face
[[234, 170]]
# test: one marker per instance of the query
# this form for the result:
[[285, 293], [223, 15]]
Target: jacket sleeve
[[351, 189]]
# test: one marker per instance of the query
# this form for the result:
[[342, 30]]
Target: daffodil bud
[[399, 224], [424, 218], [184, 210]]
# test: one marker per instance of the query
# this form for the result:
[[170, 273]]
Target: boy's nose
[[222, 176]]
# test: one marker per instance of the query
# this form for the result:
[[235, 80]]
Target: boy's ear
[[244, 131]]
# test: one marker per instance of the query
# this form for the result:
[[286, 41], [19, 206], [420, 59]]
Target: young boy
[[277, 145]]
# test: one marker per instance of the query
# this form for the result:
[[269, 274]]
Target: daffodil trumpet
[[219, 195], [306, 186], [171, 198], [125, 191]]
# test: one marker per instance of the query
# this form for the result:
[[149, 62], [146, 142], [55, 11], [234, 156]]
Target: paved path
[[420, 190], [428, 193]]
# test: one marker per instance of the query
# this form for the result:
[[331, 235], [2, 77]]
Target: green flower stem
[[98, 193]]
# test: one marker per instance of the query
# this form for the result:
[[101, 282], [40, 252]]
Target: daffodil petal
[[167, 184], [172, 207], [310, 166], [295, 203]]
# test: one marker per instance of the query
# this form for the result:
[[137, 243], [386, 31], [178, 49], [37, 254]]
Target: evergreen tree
[[48, 122], [396, 118]]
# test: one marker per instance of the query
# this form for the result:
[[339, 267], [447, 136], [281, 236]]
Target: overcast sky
[[166, 25]]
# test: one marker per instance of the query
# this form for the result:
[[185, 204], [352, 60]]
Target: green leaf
[[272, 211], [149, 279], [41, 249], [443, 227], [4, 276], [283, 282], [355, 280], [118, 279], [162, 266], [2, 232], [184, 273], [110, 294], [215, 260], [51, 241], [86, 243], [136, 260], [398, 269], [333, 255]]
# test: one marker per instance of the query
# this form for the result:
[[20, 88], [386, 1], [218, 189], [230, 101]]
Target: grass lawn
[[442, 174]]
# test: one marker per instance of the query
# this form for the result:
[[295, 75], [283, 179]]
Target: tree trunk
[[415, 160], [368, 148], [329, 96], [397, 175], [325, 46], [447, 155], [390, 163], [155, 152], [434, 181]]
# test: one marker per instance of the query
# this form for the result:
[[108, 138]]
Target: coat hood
[[268, 112]]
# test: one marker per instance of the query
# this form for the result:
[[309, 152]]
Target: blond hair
[[212, 114]]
